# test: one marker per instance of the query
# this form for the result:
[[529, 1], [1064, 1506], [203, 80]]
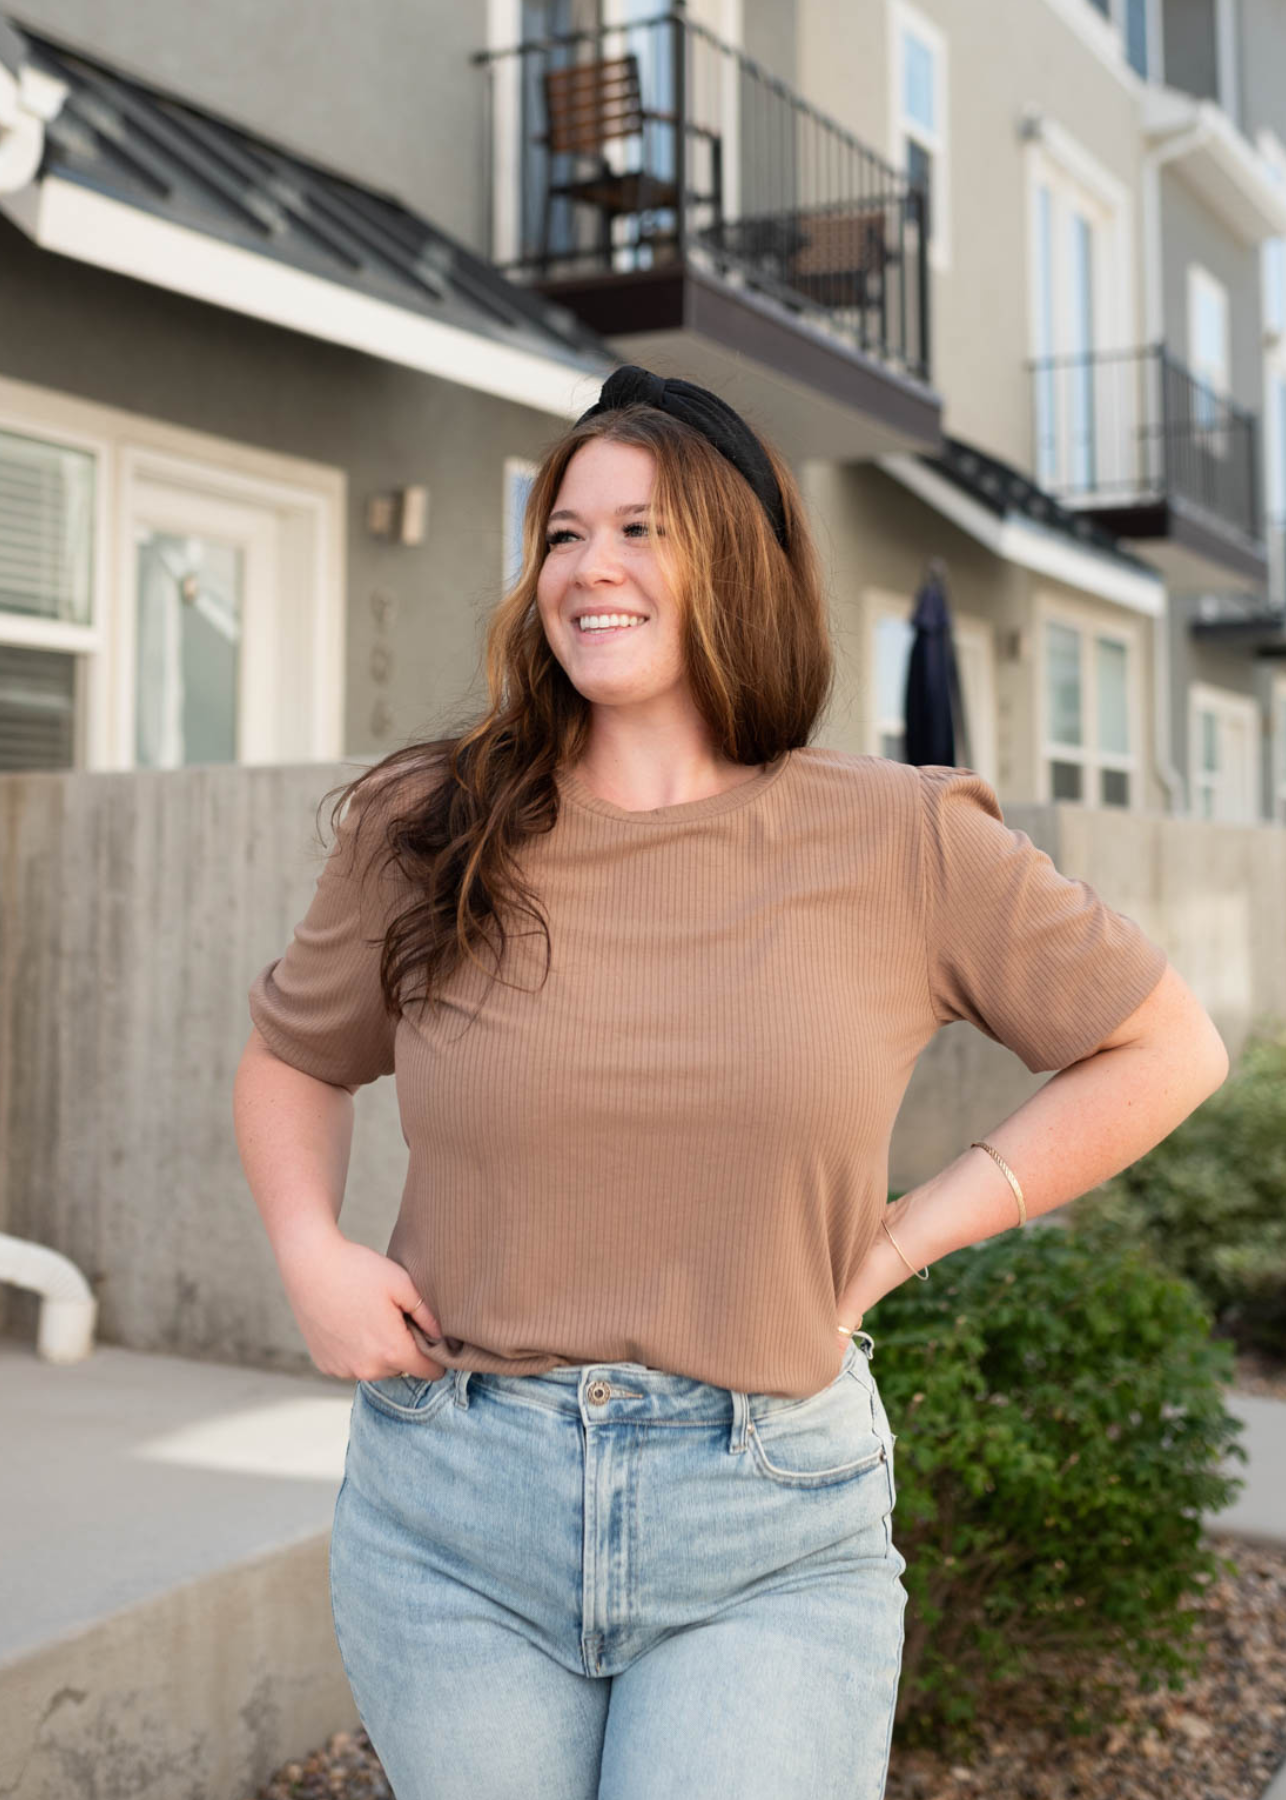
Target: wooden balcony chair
[[591, 105], [843, 261]]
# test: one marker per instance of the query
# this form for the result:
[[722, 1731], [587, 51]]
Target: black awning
[[149, 149], [1007, 492]]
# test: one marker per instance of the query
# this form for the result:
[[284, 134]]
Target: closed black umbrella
[[935, 716]]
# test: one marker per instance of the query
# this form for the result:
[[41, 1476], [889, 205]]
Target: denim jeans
[[615, 1583]]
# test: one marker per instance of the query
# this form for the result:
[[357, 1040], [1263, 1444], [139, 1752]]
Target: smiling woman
[[648, 1145]]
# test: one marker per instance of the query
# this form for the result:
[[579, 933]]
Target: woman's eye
[[557, 537]]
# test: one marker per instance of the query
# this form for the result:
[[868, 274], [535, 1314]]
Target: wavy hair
[[455, 810]]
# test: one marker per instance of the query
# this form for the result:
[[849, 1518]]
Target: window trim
[[1055, 159], [1105, 38], [971, 628], [514, 466], [123, 442], [903, 16], [1228, 703], [1199, 278], [1089, 625]]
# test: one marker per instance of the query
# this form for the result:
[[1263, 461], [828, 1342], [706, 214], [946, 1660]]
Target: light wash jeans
[[614, 1583]]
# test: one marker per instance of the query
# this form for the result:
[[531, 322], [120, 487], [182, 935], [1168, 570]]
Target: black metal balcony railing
[[1131, 427], [631, 146]]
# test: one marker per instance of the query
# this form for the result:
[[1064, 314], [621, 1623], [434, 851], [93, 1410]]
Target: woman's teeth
[[607, 621]]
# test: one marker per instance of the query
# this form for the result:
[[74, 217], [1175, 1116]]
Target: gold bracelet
[[922, 1273], [1010, 1177]]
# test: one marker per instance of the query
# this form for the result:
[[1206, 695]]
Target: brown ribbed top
[[675, 1150]]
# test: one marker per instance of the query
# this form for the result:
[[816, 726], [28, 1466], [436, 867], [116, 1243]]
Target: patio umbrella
[[935, 717]]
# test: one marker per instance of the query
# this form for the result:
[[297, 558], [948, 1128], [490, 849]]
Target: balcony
[[1155, 456], [707, 221], [1254, 622]]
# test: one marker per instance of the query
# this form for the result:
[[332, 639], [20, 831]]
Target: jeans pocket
[[829, 1438], [407, 1396]]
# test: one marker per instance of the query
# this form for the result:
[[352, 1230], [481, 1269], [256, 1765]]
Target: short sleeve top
[[670, 1146]]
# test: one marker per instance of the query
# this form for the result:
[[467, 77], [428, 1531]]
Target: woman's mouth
[[607, 625]]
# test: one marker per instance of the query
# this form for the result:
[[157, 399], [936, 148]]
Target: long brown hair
[[759, 661]]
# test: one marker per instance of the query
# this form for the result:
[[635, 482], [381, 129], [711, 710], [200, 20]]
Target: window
[[1070, 273], [1137, 37], [1273, 254], [920, 114], [1208, 357], [519, 475], [892, 637], [49, 497], [1223, 730], [166, 598], [1138, 29], [1089, 709]]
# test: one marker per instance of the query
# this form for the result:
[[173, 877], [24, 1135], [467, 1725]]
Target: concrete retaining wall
[[136, 907]]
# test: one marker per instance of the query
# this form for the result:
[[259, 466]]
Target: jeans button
[[599, 1391]]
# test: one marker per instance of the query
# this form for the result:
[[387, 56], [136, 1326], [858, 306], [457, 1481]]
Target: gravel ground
[[1222, 1738]]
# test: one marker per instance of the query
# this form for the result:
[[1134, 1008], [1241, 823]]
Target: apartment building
[[1018, 312]]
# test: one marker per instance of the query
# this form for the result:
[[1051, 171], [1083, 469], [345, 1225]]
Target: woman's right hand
[[351, 1304]]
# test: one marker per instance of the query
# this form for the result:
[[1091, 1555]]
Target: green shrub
[[1210, 1199], [1058, 1405]]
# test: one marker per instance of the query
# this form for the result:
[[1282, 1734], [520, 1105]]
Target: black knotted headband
[[706, 413]]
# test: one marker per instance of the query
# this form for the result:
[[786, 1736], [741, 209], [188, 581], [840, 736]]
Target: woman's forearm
[[1085, 1124], [295, 1135]]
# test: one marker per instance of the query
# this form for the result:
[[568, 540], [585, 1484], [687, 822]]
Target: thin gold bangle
[[1010, 1177], [922, 1273]]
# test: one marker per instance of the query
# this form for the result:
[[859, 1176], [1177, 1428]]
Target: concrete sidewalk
[[164, 1527], [1259, 1513]]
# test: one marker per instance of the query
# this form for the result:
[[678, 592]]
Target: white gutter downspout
[[68, 1308], [1154, 326], [28, 100]]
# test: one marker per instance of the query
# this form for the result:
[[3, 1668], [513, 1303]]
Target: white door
[[204, 577], [229, 627]]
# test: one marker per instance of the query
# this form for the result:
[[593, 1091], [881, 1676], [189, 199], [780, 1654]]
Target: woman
[[653, 973]]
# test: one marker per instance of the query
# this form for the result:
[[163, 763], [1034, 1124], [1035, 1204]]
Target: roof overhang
[[816, 393], [1198, 140], [1028, 544], [75, 221], [1192, 548]]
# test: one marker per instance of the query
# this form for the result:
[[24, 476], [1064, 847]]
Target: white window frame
[[978, 690], [311, 499], [1277, 741], [1105, 37], [1057, 160], [1227, 70], [1273, 250], [904, 17], [1089, 625], [1214, 375], [504, 25], [1224, 703], [1117, 18], [515, 468]]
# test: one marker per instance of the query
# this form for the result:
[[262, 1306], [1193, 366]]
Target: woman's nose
[[600, 563]]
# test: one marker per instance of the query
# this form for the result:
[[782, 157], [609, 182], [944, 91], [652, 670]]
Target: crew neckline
[[741, 794]]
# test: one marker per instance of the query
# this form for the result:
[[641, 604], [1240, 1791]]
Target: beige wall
[[876, 538], [1025, 55]]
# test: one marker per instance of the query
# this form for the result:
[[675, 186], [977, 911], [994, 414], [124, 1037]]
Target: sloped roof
[[136, 144], [1006, 491]]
